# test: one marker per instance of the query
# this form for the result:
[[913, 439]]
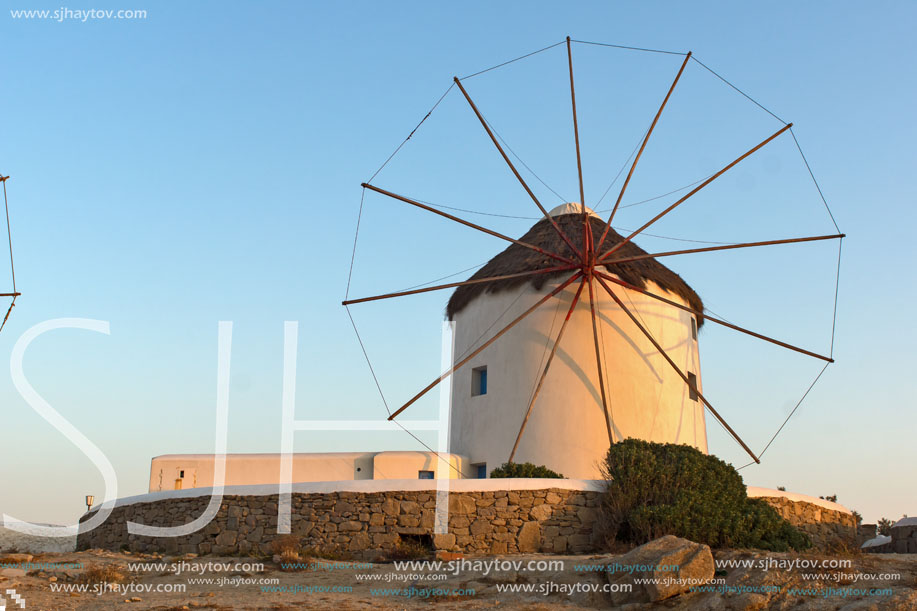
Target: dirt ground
[[64, 581]]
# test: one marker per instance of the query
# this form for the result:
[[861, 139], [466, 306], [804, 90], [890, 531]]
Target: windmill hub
[[571, 208]]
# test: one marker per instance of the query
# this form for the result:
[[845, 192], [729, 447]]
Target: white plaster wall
[[249, 469], [407, 465], [254, 469], [567, 431]]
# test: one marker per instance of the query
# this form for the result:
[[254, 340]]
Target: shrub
[[286, 544], [290, 560], [765, 529], [885, 527], [526, 469], [103, 573], [661, 489], [408, 549]]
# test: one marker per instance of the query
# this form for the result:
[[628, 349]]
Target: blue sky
[[203, 164]]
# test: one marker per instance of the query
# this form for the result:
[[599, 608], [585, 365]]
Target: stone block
[[385, 540], [410, 521], [481, 527], [529, 539], [391, 507], [444, 541], [359, 541], [301, 528], [460, 504], [541, 512]]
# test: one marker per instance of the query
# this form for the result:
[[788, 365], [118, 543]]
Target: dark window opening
[[424, 475], [692, 386], [479, 381], [693, 328], [181, 473], [480, 470]]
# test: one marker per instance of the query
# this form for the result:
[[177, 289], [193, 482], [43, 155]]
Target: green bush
[[659, 489], [526, 469]]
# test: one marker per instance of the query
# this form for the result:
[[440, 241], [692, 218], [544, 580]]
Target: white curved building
[[567, 430]]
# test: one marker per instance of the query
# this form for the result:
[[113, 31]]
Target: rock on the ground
[[694, 563]]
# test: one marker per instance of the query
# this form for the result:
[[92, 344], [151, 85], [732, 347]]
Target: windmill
[[581, 257], [13, 294]]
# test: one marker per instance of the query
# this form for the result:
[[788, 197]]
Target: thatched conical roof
[[517, 259]]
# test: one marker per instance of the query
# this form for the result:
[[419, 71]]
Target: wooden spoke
[[714, 248], [452, 369], [466, 223], [518, 176], [680, 373], [547, 366], [598, 362], [8, 312], [640, 152], [579, 161], [620, 244], [548, 270], [714, 319]]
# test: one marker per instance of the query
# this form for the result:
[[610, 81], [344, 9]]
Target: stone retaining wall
[[499, 522], [828, 529], [552, 520]]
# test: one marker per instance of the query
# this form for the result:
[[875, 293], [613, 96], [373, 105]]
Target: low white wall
[[755, 492], [186, 471]]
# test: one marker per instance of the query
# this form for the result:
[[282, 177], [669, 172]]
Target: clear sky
[[204, 163]]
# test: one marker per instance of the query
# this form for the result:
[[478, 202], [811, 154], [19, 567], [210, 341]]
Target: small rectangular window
[[181, 473], [424, 475], [694, 328], [479, 381], [692, 393], [480, 470]]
